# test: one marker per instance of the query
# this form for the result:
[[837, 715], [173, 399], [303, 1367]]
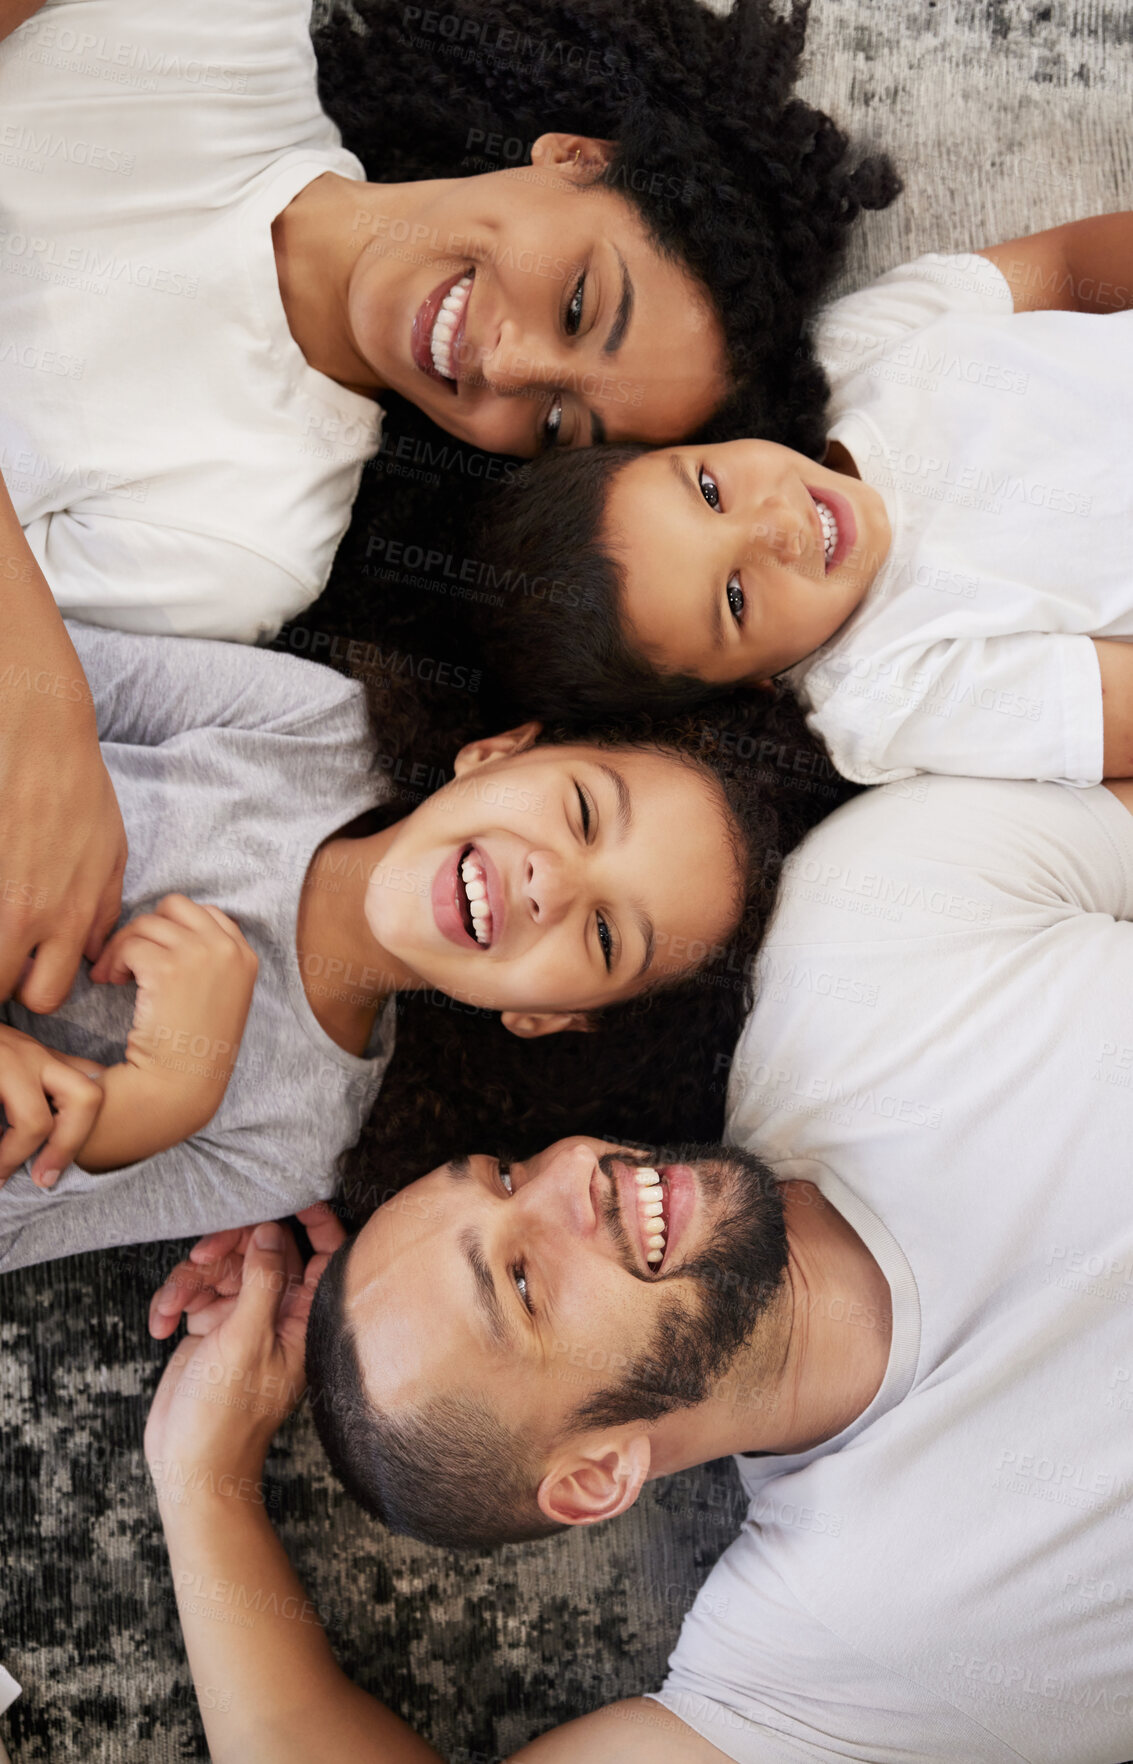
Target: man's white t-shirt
[[175, 462], [943, 1042], [1000, 443]]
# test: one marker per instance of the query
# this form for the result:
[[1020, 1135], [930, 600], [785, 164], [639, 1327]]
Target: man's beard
[[736, 1276]]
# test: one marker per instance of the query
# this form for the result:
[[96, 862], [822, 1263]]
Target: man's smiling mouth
[[652, 1209]]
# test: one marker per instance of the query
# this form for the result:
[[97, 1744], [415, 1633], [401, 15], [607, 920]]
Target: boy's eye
[[709, 488], [504, 1171], [605, 940], [736, 602], [573, 317]]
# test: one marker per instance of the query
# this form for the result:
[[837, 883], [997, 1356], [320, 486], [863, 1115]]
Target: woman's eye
[[606, 941], [505, 1178], [553, 423], [519, 1275], [736, 602], [584, 812], [709, 488], [574, 307]]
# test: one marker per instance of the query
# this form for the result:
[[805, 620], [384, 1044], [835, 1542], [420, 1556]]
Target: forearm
[[38, 654], [1084, 266], [143, 1113], [1115, 661], [269, 1689], [14, 12]]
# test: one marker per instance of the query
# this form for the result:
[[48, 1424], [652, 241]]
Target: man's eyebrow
[[487, 1297], [459, 1167], [716, 606]]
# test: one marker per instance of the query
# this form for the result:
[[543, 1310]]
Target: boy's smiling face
[[740, 558]]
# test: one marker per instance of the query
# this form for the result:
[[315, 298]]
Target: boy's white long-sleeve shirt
[[1002, 446]]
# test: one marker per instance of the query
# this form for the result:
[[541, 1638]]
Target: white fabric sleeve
[[148, 689], [138, 576], [852, 330], [766, 1682], [1027, 705]]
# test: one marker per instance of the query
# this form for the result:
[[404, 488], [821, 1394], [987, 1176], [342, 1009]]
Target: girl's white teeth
[[445, 326], [829, 528], [651, 1207], [476, 890]]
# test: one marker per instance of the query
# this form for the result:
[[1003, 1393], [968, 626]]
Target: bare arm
[[1084, 266], [1115, 658], [62, 841], [14, 12], [269, 1688]]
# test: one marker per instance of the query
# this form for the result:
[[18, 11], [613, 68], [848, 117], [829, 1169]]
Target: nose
[[774, 532], [516, 362], [556, 1196], [548, 888]]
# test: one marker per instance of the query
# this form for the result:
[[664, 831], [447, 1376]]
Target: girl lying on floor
[[549, 879], [948, 591]]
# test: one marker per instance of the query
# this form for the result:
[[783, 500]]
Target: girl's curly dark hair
[[748, 186], [657, 1064]]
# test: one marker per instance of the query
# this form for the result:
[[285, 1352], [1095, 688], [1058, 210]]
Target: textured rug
[[1005, 116]]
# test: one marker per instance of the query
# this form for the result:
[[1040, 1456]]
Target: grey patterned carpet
[[1005, 116]]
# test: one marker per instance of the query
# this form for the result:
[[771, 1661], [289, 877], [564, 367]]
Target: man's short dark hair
[[448, 1473]]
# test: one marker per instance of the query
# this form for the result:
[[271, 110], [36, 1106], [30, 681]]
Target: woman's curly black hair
[[749, 187], [758, 199]]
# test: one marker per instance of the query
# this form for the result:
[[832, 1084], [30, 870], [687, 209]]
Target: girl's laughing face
[[546, 882]]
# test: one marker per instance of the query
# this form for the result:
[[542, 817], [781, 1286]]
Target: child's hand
[[48, 1102], [195, 973]]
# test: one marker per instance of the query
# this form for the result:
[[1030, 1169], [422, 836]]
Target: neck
[[319, 239], [816, 1360], [347, 974]]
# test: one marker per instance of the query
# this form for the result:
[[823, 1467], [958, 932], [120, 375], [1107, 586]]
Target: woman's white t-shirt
[[175, 462], [1001, 445]]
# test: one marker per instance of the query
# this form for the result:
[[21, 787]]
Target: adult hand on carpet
[[223, 1394], [203, 1289]]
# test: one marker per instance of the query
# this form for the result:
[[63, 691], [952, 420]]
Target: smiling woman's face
[[558, 879], [521, 309]]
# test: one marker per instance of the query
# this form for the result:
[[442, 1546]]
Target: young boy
[[950, 591]]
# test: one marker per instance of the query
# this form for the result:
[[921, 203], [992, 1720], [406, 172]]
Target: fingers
[[117, 964], [184, 1283], [217, 1246], [77, 1100], [106, 916], [264, 1282], [297, 1306], [30, 1120], [324, 1229], [51, 976]]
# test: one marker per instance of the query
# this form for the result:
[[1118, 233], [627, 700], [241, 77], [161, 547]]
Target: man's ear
[[530, 1025], [495, 747], [595, 1480], [583, 153]]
